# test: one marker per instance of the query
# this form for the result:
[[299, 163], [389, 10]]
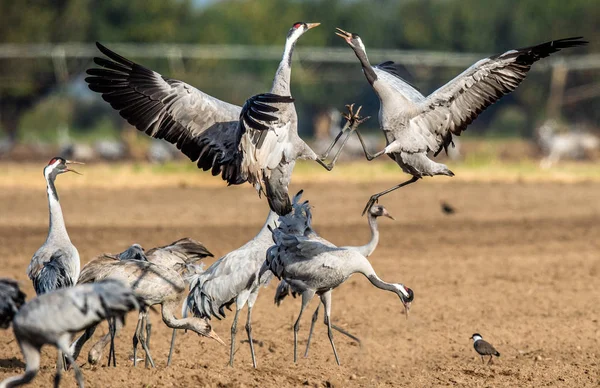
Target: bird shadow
[[11, 363]]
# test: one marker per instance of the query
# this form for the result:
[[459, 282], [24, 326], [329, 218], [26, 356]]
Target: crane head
[[351, 38], [406, 296], [300, 28], [379, 211], [58, 165]]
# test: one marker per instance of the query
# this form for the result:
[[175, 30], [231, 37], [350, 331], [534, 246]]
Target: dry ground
[[518, 263]]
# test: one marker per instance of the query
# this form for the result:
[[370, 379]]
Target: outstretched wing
[[450, 109], [204, 128]]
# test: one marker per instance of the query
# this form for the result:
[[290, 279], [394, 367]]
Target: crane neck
[[369, 248], [366, 65], [281, 82], [273, 221], [368, 271], [57, 228]]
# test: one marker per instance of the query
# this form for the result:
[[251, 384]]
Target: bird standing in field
[[241, 143], [154, 284], [414, 125], [56, 263], [53, 317], [234, 278], [284, 289], [11, 300], [313, 266], [483, 348]]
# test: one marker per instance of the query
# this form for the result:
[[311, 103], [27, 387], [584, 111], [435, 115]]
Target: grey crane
[[11, 300], [154, 284], [56, 263], [241, 143], [312, 265], [557, 145], [233, 279], [180, 255], [53, 317], [284, 289], [414, 124]]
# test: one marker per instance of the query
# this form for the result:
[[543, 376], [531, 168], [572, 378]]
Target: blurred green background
[[42, 97]]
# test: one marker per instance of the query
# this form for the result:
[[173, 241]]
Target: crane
[[56, 263], [154, 284], [53, 317], [313, 266], [284, 289], [241, 143], [233, 279], [11, 300], [414, 124]]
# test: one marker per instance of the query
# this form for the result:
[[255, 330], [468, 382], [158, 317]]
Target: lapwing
[[484, 348]]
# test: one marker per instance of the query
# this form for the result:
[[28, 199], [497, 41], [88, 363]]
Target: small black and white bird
[[484, 348]]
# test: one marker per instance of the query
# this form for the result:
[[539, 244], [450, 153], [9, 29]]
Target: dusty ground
[[518, 263]]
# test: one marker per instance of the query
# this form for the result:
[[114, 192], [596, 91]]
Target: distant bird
[[284, 289], [154, 284], [11, 300], [241, 143], [556, 145], [234, 278], [483, 348], [414, 124], [56, 264], [447, 208], [53, 317], [312, 265]]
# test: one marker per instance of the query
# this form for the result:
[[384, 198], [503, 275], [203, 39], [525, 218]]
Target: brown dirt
[[518, 263]]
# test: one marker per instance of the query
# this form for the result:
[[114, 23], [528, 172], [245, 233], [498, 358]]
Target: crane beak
[[70, 169], [347, 36], [312, 25], [407, 300], [388, 215], [215, 336]]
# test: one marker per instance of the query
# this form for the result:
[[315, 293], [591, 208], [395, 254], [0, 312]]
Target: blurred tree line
[[445, 25]]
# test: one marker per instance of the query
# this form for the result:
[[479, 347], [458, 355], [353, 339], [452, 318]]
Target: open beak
[[312, 25], [344, 34], [70, 169], [213, 335]]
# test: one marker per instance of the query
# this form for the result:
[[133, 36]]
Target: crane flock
[[256, 143]]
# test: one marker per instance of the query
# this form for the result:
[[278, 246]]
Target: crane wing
[[450, 109], [204, 128], [389, 73]]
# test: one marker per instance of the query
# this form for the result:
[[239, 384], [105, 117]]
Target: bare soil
[[518, 263]]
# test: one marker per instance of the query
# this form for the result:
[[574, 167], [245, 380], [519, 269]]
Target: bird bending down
[[154, 284], [53, 317], [234, 278], [11, 300], [312, 265], [483, 348], [284, 289], [414, 125], [240, 143], [56, 263]]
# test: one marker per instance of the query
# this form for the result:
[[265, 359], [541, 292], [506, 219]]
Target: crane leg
[[326, 154], [59, 370], [344, 332], [233, 332], [364, 147], [112, 328], [172, 347], [375, 197], [135, 338], [330, 166], [306, 297], [64, 349], [142, 340], [148, 333], [312, 326], [249, 332], [326, 299]]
